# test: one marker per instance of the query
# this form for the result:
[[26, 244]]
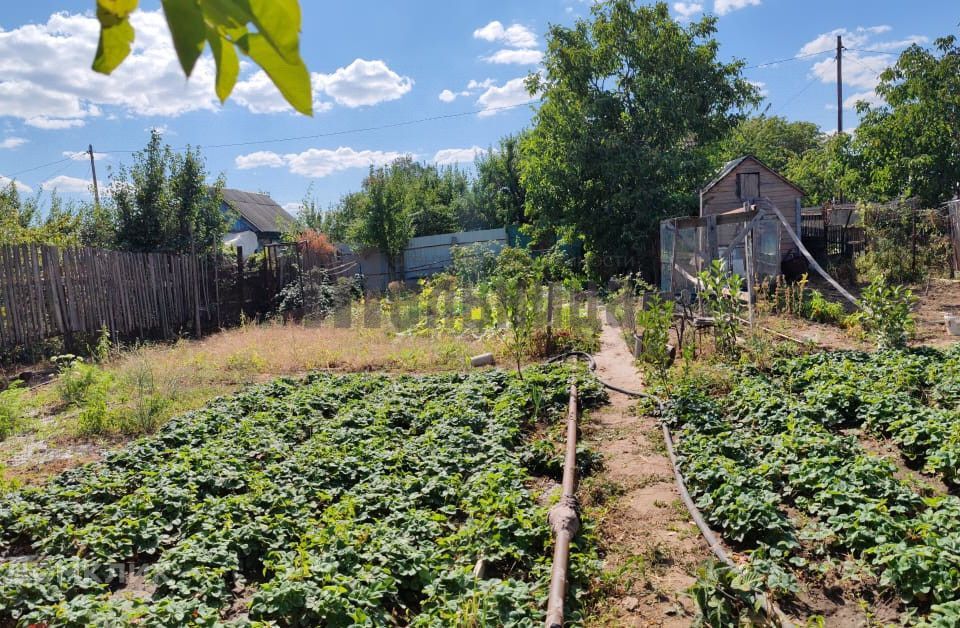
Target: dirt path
[[650, 547]]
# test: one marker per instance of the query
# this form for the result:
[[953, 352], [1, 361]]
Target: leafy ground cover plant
[[331, 500], [655, 321], [886, 314], [808, 504], [11, 409], [721, 295], [909, 396]]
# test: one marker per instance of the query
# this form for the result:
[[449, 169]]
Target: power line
[[52, 163], [795, 96], [303, 137], [803, 56], [350, 131], [864, 65], [60, 171], [872, 52]]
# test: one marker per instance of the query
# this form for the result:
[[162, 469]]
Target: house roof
[[731, 165], [261, 211]]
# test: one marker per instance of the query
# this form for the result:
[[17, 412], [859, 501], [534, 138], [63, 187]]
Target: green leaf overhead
[[292, 79], [116, 33], [279, 22], [188, 30], [228, 64], [268, 31]]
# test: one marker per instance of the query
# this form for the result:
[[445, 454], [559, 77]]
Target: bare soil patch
[[938, 297], [650, 548]]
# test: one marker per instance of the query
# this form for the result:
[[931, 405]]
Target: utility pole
[[93, 168], [839, 84]]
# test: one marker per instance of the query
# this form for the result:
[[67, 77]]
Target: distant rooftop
[[261, 211]]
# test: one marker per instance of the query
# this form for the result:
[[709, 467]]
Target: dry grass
[[164, 380], [256, 352]]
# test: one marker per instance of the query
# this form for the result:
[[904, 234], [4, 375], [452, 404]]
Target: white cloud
[[870, 96], [293, 208], [84, 155], [861, 70], [23, 188], [473, 87], [686, 10], [318, 162], [513, 92], [722, 7], [363, 83], [322, 162], [859, 37], [55, 124], [259, 159], [259, 95], [450, 156], [47, 81], [162, 129], [522, 57], [515, 36], [70, 185], [484, 84], [13, 142], [761, 88]]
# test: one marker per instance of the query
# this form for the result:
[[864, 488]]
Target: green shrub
[[11, 409], [654, 323], [819, 309], [473, 263], [146, 412], [94, 418], [76, 378], [886, 313], [721, 296]]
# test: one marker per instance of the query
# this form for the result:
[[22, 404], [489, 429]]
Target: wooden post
[[240, 286], [549, 318], [798, 215], [748, 263], [713, 247]]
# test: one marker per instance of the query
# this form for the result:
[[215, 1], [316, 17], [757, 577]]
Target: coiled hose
[[709, 536]]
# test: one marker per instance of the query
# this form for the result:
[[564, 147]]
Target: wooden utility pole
[[93, 168], [839, 105], [839, 84]]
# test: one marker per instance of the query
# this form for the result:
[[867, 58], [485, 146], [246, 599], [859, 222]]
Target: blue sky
[[377, 63]]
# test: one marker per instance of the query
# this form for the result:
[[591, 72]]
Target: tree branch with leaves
[[265, 31]]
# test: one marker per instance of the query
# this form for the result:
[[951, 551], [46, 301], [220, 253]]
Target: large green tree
[[163, 202], [830, 171], [499, 194], [401, 200], [774, 140], [631, 102], [911, 143], [382, 221], [23, 221]]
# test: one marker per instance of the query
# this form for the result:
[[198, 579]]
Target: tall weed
[[11, 409], [887, 314]]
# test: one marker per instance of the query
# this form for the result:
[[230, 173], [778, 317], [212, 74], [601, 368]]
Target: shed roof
[[732, 165], [261, 211]]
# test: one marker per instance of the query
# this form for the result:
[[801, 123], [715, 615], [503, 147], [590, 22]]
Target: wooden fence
[[47, 292], [953, 215], [829, 241]]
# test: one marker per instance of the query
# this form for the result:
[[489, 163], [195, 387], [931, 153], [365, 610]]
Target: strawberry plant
[[331, 500], [772, 471]]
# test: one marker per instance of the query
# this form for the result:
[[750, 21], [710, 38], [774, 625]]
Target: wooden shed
[[746, 180]]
